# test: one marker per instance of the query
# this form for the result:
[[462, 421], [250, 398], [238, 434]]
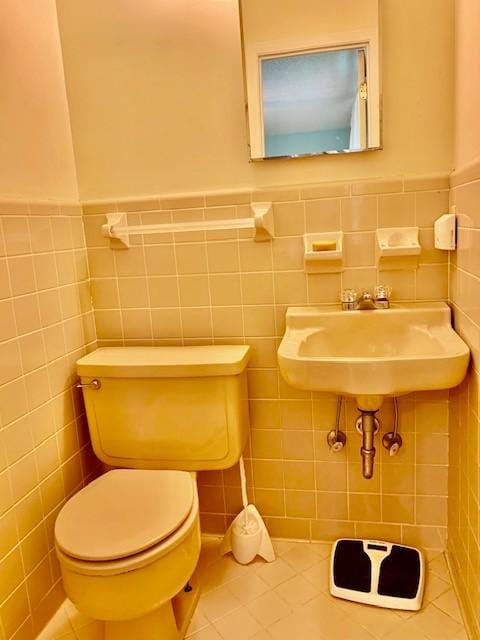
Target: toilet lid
[[123, 512]]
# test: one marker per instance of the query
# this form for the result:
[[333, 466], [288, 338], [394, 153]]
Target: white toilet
[[128, 543]]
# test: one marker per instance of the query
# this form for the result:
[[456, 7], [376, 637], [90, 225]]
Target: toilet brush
[[247, 536]]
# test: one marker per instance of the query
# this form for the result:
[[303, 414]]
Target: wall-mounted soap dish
[[323, 252], [398, 248]]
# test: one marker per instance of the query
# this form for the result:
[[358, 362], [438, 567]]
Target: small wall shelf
[[398, 247], [119, 232], [323, 252]]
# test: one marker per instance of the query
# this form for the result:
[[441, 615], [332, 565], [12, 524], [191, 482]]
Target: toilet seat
[[123, 513], [139, 560]]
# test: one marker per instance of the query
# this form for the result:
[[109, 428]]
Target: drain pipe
[[368, 425]]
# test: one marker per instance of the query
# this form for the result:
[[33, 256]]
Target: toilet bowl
[[128, 544]]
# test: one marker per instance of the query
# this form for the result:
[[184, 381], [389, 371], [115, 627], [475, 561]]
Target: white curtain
[[355, 124]]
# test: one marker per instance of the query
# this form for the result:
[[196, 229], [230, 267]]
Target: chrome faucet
[[379, 300]]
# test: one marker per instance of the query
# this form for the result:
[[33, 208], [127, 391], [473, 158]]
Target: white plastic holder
[[118, 231], [247, 536], [330, 261], [445, 232], [398, 247]]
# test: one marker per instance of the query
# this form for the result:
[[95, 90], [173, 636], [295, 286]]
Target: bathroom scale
[[378, 573]]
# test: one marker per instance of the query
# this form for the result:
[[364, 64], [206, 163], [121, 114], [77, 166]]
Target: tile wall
[[221, 287], [46, 323], [464, 483]]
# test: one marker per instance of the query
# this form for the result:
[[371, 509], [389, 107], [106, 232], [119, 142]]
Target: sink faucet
[[379, 300]]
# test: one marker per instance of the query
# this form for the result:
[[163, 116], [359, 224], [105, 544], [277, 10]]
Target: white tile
[[406, 631], [319, 575], [324, 615], [301, 557], [218, 603], [434, 587], [297, 590], [247, 588], [377, 621], [269, 608], [447, 602], [198, 622], [295, 626], [282, 546], [439, 567], [350, 630], [322, 549], [262, 635], [220, 572], [436, 624], [274, 573], [209, 633], [238, 625], [431, 554]]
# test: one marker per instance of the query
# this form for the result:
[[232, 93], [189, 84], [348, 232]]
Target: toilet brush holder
[[247, 537]]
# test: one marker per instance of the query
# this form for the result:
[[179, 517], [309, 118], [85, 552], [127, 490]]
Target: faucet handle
[[382, 292], [348, 295]]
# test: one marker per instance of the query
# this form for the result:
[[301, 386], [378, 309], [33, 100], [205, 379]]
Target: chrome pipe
[[367, 450]]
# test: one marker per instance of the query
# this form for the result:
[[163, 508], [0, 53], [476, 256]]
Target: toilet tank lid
[[165, 362]]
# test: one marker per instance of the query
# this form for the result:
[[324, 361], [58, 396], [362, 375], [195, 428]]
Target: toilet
[[128, 543]]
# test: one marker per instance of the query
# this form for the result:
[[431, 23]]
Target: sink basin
[[374, 353]]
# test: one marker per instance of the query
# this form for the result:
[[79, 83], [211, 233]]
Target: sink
[[372, 354]]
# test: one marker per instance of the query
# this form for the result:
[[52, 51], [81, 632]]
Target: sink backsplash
[[219, 286]]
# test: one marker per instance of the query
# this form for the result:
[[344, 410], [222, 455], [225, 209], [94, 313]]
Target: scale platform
[[378, 573]]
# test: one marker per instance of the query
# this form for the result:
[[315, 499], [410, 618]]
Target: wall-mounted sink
[[372, 354]]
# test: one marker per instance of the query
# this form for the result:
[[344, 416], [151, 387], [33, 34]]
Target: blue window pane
[[308, 100]]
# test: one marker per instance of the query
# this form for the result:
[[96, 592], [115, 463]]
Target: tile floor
[[289, 599]]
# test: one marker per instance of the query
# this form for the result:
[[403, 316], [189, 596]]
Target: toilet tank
[[180, 408]]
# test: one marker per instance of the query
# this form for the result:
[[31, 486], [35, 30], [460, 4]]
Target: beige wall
[[467, 88], [156, 97], [221, 287], [464, 497], [36, 155], [46, 320], [304, 19]]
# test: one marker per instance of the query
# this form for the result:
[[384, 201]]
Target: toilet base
[[169, 622]]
